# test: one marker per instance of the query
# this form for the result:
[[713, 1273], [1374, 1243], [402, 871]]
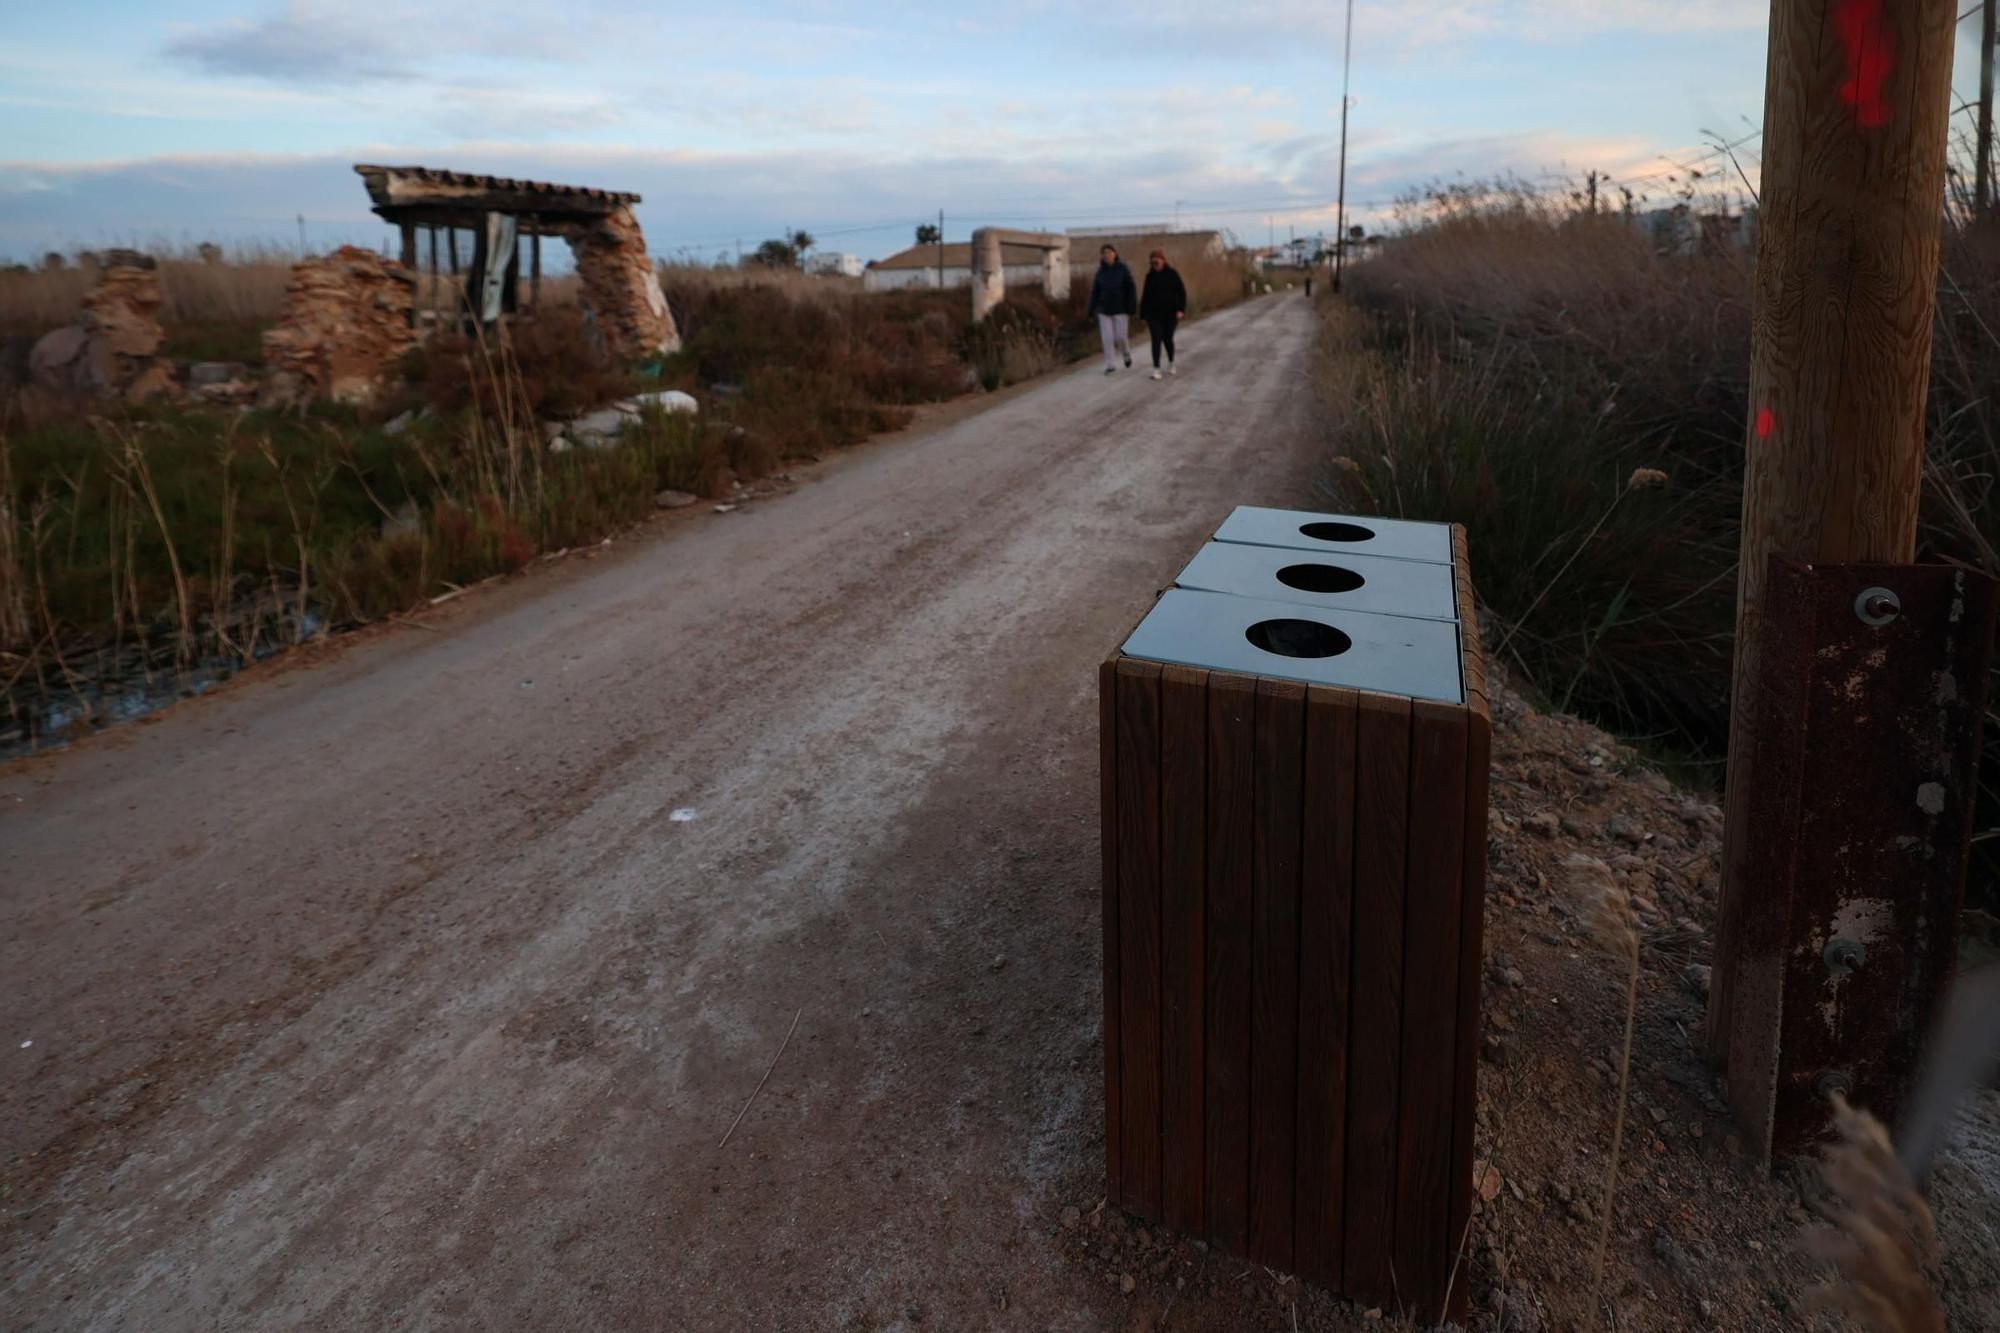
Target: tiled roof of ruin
[[411, 188]]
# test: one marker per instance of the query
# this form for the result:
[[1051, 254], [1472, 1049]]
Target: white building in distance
[[834, 263]]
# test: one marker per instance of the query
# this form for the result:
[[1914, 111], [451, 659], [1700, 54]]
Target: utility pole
[[1982, 193], [1340, 208], [1593, 192], [302, 236], [1855, 126], [1177, 203], [940, 249]]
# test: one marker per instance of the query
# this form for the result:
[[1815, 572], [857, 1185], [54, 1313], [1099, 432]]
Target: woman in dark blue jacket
[[1163, 307]]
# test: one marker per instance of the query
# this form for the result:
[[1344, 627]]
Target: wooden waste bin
[[1294, 883]]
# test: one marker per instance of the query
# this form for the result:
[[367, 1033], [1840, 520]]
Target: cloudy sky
[[230, 119]]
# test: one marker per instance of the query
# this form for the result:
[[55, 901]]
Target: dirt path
[[403, 992]]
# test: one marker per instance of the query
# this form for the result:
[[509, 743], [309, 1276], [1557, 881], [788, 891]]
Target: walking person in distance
[[1114, 299], [1163, 307]]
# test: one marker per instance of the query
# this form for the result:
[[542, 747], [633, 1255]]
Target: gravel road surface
[[419, 986]]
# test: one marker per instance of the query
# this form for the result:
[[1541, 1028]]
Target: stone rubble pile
[[113, 351], [345, 320]]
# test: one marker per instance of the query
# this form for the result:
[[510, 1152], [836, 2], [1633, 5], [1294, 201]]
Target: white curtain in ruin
[[501, 229]]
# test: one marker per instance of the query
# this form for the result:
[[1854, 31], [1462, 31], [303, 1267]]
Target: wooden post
[[535, 268], [1856, 100], [409, 258], [431, 297]]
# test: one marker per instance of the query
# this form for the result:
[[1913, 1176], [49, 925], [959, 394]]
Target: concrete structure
[[989, 270], [1182, 247], [1113, 233], [919, 266]]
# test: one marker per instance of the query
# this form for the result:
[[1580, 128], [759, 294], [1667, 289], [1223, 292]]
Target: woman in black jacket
[[1162, 307]]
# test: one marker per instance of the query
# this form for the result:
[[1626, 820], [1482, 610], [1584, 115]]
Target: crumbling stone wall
[[623, 288], [344, 321], [113, 350]]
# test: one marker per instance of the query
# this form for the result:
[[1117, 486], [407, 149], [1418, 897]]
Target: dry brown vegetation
[[1511, 362], [145, 539]]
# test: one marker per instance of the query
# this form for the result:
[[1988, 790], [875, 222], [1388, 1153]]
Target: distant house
[[920, 266], [834, 263], [1299, 252]]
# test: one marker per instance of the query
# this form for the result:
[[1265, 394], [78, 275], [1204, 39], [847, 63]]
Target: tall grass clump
[[1516, 363], [149, 540]]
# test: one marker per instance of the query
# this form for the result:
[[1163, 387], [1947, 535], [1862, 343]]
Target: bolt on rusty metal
[[1877, 606], [1843, 956]]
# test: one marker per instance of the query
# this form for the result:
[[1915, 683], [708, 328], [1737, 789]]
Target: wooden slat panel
[[1381, 841], [1107, 776], [1139, 934], [1430, 1004], [1231, 802], [1183, 869], [1471, 942], [1274, 971], [1326, 904]]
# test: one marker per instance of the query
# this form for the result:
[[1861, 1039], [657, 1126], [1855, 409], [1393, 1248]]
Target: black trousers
[[1163, 336]]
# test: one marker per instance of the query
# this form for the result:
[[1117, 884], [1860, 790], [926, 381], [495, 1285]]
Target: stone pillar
[[623, 288], [1055, 272], [989, 273], [113, 350], [344, 321]]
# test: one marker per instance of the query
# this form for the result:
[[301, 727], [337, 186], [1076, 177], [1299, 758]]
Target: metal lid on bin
[[1335, 582], [1351, 534], [1400, 655]]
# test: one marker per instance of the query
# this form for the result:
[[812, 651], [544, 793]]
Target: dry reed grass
[[1880, 1238], [1511, 361], [1613, 925]]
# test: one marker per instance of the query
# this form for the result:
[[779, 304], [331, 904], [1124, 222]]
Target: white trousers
[[1112, 329]]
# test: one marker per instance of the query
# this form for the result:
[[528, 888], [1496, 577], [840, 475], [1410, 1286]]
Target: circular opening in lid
[[1336, 532], [1298, 638], [1320, 578]]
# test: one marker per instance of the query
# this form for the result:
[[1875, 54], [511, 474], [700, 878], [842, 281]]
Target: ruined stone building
[[503, 215]]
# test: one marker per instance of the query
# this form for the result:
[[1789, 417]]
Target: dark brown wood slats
[[1139, 935], [1381, 849], [1278, 753], [1326, 937], [1232, 711], [1183, 934], [1431, 927], [1109, 819]]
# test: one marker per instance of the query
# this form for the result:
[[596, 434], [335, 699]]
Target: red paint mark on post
[[1766, 423], [1870, 56]]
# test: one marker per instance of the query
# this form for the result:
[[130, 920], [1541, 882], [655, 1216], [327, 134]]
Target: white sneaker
[[1156, 374], [1172, 369]]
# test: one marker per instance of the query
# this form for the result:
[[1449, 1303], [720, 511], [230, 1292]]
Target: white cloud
[[304, 43]]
